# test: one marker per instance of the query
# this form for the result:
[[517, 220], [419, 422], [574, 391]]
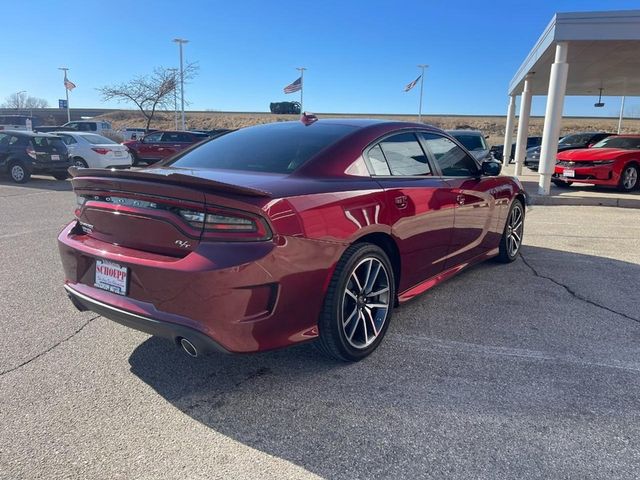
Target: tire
[[60, 175], [18, 173], [629, 178], [350, 341], [80, 162], [511, 240], [135, 161], [561, 183]]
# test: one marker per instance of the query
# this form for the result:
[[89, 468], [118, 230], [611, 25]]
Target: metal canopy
[[603, 52]]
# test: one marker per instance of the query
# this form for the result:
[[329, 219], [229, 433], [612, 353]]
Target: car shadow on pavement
[[500, 371], [39, 183]]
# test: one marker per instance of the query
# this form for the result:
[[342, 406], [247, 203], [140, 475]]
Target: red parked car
[[160, 145], [614, 161], [284, 233]]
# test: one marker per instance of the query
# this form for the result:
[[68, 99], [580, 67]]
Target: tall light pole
[[180, 42], [175, 96], [66, 90], [422, 66], [18, 102], [301, 70]]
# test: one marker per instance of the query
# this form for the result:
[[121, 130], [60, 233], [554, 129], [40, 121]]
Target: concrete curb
[[585, 201]]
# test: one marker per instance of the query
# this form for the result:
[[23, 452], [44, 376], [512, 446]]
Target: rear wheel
[[561, 183], [628, 179], [18, 173], [511, 240], [80, 162], [359, 302], [135, 161]]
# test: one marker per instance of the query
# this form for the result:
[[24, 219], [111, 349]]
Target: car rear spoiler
[[168, 176]]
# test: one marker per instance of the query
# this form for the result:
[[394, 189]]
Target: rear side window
[[404, 155], [274, 148], [452, 160], [378, 162], [98, 139], [153, 138], [176, 137]]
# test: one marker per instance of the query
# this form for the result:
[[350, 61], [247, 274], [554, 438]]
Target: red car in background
[[287, 232], [614, 161], [160, 145]]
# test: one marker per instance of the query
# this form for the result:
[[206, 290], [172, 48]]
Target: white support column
[[523, 126], [508, 131], [553, 117]]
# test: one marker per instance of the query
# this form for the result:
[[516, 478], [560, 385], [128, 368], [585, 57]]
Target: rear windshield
[[274, 148], [627, 143], [47, 142], [98, 139], [471, 141]]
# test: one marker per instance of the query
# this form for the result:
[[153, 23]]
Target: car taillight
[[227, 224], [101, 151], [32, 153]]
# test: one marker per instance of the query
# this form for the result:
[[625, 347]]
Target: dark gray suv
[[24, 153]]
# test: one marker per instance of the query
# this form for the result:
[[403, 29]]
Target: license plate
[[569, 173], [118, 153], [55, 157], [111, 277]]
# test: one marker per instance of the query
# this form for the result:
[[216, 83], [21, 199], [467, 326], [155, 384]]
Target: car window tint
[[404, 155], [471, 141], [378, 162], [171, 137], [452, 160], [153, 138], [14, 140], [98, 139], [276, 147]]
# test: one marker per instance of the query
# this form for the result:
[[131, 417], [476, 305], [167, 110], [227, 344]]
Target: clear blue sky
[[359, 54]]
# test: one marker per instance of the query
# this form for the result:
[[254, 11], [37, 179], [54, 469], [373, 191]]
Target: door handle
[[460, 199], [401, 201]]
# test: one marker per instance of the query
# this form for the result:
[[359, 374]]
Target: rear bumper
[[173, 331], [241, 296]]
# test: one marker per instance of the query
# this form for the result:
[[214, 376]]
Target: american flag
[[294, 87], [68, 84], [412, 84]]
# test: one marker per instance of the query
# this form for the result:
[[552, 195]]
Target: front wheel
[[628, 179], [358, 307], [80, 162], [511, 240]]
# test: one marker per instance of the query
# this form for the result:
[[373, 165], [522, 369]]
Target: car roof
[[464, 130], [27, 133]]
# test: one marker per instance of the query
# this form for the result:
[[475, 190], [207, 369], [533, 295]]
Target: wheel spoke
[[367, 276], [354, 328], [373, 276], [357, 281], [517, 227], [377, 292], [364, 325], [377, 305], [351, 294], [346, 322], [515, 236], [373, 324]]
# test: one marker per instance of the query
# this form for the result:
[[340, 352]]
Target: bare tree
[[21, 101], [149, 92]]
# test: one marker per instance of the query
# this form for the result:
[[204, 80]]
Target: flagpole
[[67, 92], [301, 69], [422, 66]]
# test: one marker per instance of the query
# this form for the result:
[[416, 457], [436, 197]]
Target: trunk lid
[[152, 210]]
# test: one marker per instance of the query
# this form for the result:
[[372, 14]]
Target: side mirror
[[491, 169]]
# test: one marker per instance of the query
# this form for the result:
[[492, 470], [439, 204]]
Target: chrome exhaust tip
[[188, 347]]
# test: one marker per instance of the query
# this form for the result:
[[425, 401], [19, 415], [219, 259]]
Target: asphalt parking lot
[[526, 370]]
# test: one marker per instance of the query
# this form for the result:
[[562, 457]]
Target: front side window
[[471, 141], [404, 155], [452, 160], [176, 137]]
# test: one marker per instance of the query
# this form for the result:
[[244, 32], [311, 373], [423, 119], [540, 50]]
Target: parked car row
[[24, 152]]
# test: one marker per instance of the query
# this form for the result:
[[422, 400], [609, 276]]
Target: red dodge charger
[[285, 233], [614, 161]]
